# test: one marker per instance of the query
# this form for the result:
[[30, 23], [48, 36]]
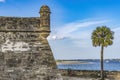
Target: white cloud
[[67, 29], [80, 43], [116, 35], [116, 29], [2, 0]]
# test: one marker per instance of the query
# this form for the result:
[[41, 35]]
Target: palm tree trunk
[[102, 69]]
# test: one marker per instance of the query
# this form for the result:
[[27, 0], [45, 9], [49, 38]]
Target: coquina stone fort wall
[[25, 53]]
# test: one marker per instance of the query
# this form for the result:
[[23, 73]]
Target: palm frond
[[102, 36]]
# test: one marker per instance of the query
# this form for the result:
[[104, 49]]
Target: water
[[109, 65]]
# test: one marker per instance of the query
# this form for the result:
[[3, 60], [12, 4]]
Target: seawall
[[111, 75]]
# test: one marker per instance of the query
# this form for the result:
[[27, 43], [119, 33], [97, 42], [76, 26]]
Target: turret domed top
[[45, 8]]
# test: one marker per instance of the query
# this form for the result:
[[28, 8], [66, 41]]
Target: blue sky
[[72, 22]]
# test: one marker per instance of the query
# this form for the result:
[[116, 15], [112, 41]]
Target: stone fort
[[25, 53]]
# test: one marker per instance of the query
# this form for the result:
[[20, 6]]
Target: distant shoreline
[[80, 61], [71, 62]]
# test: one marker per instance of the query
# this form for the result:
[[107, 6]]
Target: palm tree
[[103, 37]]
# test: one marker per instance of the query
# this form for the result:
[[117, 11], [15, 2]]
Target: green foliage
[[102, 36]]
